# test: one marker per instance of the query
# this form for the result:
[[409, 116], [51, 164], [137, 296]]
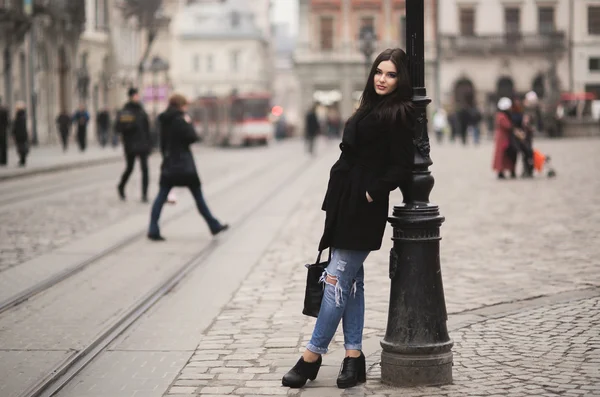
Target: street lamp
[[367, 40], [417, 349], [157, 65]]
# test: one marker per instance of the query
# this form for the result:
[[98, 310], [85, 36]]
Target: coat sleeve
[[400, 161], [187, 131]]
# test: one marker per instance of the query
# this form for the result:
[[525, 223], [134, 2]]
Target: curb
[[60, 167]]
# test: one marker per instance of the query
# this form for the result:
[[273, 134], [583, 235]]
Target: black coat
[[4, 119], [134, 126], [178, 167], [312, 124], [19, 131], [377, 157]]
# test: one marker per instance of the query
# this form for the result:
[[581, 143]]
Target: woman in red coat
[[505, 154]]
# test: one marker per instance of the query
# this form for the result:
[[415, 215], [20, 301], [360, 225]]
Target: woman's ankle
[[310, 357], [353, 353]]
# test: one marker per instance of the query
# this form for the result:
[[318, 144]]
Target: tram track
[[63, 372], [24, 295], [17, 191]]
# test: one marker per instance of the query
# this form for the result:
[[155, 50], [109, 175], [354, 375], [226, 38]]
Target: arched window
[[464, 93], [505, 87]]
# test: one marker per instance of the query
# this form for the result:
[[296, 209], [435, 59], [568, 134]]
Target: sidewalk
[[44, 159], [522, 289]]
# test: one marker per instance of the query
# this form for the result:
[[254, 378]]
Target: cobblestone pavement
[[504, 241], [41, 226]]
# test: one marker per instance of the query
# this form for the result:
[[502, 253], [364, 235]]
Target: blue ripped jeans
[[342, 301]]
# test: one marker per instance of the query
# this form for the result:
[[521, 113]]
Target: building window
[[196, 62], [101, 12], [209, 63], [235, 60], [368, 22], [512, 21], [546, 20], [594, 19], [594, 64], [467, 21], [326, 33], [402, 30]]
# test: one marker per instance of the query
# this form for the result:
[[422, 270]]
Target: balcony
[[348, 52], [506, 44]]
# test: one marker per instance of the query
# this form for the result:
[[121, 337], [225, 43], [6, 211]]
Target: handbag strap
[[319, 257]]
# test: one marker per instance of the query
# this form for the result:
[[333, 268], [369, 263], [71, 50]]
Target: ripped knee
[[331, 280]]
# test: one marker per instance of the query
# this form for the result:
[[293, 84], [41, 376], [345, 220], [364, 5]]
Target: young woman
[[178, 167], [377, 157]]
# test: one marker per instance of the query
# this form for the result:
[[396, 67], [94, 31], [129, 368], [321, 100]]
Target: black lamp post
[[367, 40], [416, 346]]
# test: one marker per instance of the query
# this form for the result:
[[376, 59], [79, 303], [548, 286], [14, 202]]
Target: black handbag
[[313, 294]]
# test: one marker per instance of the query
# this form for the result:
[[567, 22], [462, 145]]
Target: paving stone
[[514, 241]]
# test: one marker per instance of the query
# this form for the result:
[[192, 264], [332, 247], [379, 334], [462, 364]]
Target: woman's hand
[[369, 199], [187, 118]]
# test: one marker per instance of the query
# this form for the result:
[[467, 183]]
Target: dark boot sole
[[350, 384]]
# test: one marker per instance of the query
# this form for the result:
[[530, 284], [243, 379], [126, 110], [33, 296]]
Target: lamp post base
[[416, 370]]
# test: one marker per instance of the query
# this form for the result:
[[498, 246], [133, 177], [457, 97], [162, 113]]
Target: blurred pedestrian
[[334, 123], [377, 157], [20, 134], [81, 119], [312, 128], [505, 153], [115, 134], [440, 124], [178, 167], [134, 127], [4, 121], [475, 119], [102, 126], [453, 122], [63, 123], [463, 122]]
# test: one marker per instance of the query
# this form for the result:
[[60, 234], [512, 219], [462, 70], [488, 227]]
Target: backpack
[[126, 121]]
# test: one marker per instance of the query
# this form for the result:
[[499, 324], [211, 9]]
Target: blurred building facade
[[220, 47], [585, 28], [286, 87], [35, 69], [328, 59], [494, 48]]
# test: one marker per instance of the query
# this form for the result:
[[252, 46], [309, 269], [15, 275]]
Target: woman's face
[[386, 78]]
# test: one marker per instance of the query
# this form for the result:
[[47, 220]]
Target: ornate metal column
[[416, 346]]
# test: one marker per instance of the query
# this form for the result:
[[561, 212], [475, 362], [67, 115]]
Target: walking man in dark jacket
[[20, 134], [81, 118], [102, 126], [63, 123], [133, 125], [4, 119]]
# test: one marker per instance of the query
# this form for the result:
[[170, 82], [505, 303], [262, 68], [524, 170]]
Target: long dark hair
[[388, 107]]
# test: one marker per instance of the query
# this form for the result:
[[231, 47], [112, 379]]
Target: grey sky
[[286, 11]]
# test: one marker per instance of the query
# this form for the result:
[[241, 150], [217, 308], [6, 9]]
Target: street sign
[[158, 93]]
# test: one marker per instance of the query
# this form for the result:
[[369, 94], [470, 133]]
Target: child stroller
[[541, 161]]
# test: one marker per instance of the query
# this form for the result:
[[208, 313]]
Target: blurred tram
[[236, 120]]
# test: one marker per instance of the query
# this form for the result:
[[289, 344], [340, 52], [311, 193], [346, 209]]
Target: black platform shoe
[[302, 371], [353, 372]]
